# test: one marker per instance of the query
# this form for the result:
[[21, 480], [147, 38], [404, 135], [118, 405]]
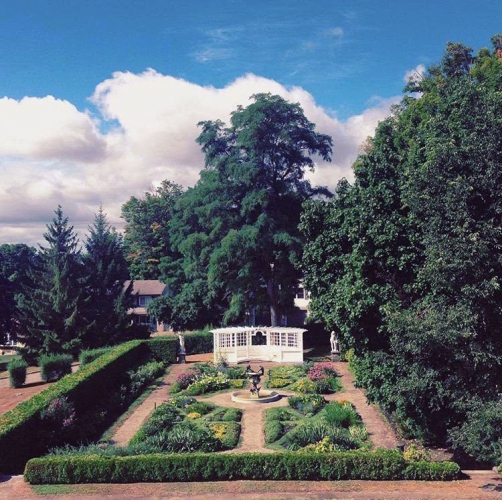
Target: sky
[[100, 99]]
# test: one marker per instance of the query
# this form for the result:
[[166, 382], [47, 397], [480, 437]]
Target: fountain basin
[[247, 397]]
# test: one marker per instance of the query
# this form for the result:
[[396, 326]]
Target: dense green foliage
[[52, 304], [54, 366], [15, 264], [98, 392], [17, 372], [107, 300], [234, 235], [405, 263], [380, 465], [147, 221]]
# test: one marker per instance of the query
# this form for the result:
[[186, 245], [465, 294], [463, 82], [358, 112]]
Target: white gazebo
[[264, 343]]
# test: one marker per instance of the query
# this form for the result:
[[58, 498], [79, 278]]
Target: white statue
[[335, 346], [182, 342]]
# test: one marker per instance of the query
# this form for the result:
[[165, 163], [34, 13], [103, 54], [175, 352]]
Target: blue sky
[[92, 89]]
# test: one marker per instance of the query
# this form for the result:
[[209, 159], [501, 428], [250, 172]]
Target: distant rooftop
[[146, 287]]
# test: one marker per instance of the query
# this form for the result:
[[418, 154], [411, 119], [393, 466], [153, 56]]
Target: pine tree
[[106, 271], [51, 305]]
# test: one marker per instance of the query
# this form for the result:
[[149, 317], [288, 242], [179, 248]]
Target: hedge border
[[379, 465]]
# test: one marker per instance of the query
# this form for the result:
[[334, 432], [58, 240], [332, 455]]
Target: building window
[[275, 338], [300, 293], [144, 300]]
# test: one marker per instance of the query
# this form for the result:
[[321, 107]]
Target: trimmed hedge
[[17, 372], [55, 366], [380, 465], [163, 349], [89, 355], [199, 342], [22, 433]]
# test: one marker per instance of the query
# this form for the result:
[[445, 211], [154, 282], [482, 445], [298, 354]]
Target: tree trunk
[[272, 298]]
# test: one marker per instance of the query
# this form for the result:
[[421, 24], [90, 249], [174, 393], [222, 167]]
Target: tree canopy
[[406, 264], [235, 232]]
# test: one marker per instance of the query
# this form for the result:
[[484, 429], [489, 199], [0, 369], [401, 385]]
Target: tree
[[406, 261], [51, 319], [106, 271], [15, 263], [146, 238], [236, 231]]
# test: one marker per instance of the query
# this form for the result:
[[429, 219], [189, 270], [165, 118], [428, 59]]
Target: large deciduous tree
[[236, 231], [146, 238], [406, 262]]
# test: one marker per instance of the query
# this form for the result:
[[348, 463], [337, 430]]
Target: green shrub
[[201, 407], [17, 372], [55, 366], [164, 417], [89, 355], [163, 349], [291, 372], [278, 383], [315, 432], [481, 433], [341, 415], [273, 431], [308, 404], [144, 375], [199, 342], [281, 414], [380, 465]]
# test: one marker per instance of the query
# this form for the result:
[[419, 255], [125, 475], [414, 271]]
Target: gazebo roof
[[241, 329]]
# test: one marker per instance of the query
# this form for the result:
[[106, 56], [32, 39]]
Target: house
[[143, 292]]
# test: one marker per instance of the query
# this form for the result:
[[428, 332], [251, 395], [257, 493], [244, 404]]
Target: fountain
[[255, 394]]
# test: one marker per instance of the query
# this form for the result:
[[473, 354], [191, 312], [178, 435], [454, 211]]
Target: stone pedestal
[[335, 356], [182, 356]]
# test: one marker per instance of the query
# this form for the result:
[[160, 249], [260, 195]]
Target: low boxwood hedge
[[379, 465]]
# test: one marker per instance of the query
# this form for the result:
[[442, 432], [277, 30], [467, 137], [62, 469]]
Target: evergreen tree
[[51, 306], [106, 271]]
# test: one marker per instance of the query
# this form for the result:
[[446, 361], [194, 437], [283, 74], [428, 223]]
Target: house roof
[[146, 287]]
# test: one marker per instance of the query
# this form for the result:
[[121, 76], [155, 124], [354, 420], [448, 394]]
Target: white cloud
[[335, 31], [51, 153], [415, 74]]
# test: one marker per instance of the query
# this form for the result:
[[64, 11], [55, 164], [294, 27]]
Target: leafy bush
[[481, 433], [273, 431], [315, 432], [145, 374], [308, 404], [17, 372], [89, 355], [163, 349], [281, 414], [278, 383], [201, 407], [208, 383], [341, 415], [199, 342], [380, 465], [415, 453], [321, 371], [163, 418], [304, 385], [226, 432], [55, 366]]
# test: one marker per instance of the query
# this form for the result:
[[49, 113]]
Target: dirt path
[[379, 430], [477, 486]]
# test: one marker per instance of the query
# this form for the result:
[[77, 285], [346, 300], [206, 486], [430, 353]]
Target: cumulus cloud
[[143, 131], [415, 74]]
